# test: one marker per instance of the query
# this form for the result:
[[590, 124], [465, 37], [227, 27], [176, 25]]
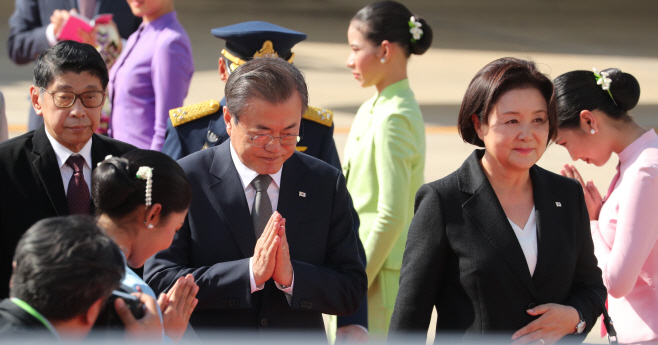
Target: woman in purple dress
[[151, 76]]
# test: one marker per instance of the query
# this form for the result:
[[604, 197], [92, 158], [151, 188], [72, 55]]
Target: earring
[[382, 60], [149, 226], [592, 131]]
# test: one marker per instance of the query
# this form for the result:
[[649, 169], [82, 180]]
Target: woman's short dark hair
[[494, 80], [69, 56], [578, 90], [117, 191], [389, 20], [64, 265], [267, 78]]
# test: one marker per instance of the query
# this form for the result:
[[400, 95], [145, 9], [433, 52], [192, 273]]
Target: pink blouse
[[625, 239]]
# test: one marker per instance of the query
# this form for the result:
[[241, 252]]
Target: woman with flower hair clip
[[142, 199], [385, 150], [593, 123]]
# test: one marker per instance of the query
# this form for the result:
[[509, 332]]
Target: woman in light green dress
[[385, 151]]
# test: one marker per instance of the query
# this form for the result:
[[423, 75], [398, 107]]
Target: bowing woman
[[593, 123], [142, 199], [501, 245]]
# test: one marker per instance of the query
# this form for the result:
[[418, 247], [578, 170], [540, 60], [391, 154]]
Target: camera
[[108, 317]]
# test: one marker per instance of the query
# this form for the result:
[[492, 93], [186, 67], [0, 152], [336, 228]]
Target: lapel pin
[[558, 204], [302, 194]]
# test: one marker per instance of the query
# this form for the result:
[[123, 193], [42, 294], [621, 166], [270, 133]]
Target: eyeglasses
[[263, 140], [65, 99]]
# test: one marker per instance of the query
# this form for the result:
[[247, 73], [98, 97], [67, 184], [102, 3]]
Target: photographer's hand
[[148, 327], [181, 302]]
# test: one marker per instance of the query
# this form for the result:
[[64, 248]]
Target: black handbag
[[607, 321]]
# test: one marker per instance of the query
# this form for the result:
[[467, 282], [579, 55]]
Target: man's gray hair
[[269, 79]]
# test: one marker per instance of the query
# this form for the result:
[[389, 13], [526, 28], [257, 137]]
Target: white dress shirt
[[63, 155], [528, 240], [246, 176]]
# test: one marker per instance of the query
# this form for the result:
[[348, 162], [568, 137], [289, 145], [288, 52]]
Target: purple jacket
[[151, 76]]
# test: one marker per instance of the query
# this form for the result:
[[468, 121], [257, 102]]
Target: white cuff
[[287, 289], [50, 34], [252, 281]]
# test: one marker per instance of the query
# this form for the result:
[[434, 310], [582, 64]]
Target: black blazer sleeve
[[423, 263], [217, 283], [588, 279]]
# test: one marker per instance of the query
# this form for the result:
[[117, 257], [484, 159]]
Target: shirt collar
[[640, 143], [64, 153], [246, 174], [391, 91], [161, 22]]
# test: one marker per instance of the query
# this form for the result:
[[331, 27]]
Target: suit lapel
[[98, 151], [231, 204], [45, 164], [485, 211], [291, 203], [547, 212]]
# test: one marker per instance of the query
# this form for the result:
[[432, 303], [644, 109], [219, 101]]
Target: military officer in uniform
[[198, 126], [195, 127]]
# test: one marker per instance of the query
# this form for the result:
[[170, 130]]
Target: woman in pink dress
[[593, 123]]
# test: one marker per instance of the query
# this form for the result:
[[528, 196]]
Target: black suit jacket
[[217, 240], [17, 323], [318, 141], [31, 187], [27, 25], [463, 257]]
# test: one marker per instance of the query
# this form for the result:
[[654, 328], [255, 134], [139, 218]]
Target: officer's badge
[[212, 137]]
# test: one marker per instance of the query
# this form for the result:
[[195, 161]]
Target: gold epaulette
[[192, 112], [319, 115]]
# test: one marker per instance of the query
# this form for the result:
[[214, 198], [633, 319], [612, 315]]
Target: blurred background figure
[[385, 150], [594, 122], [502, 246], [64, 270], [35, 25], [142, 199], [4, 130], [151, 76]]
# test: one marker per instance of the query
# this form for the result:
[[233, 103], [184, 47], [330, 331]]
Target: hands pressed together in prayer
[[272, 255], [177, 306], [593, 198]]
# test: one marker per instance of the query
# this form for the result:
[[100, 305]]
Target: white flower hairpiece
[[106, 158], [146, 173], [415, 30], [603, 80]]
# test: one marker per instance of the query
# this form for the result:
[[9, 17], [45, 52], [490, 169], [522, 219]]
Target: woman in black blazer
[[502, 245]]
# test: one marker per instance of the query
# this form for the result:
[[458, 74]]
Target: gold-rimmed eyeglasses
[[65, 99], [263, 140]]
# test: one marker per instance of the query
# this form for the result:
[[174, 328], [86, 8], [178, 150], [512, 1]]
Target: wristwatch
[[580, 327]]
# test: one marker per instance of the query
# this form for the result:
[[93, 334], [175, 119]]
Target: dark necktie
[[262, 208], [77, 194]]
